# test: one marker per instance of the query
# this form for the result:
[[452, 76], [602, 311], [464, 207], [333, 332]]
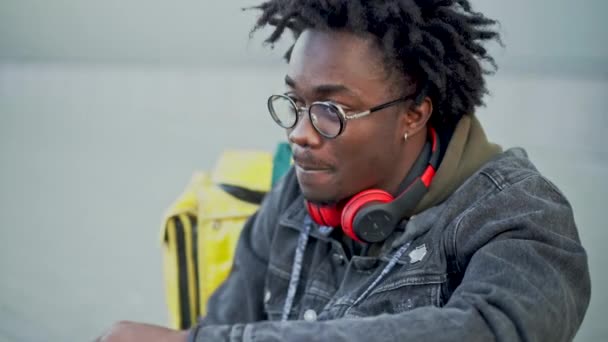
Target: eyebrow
[[323, 89]]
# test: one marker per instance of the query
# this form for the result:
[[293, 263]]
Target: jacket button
[[338, 259], [310, 315]]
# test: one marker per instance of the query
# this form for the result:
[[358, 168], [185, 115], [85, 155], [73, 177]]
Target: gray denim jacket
[[499, 260]]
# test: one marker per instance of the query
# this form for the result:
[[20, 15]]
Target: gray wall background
[[106, 108]]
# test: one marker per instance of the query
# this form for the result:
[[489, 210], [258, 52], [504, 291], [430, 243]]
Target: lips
[[311, 167], [306, 162]]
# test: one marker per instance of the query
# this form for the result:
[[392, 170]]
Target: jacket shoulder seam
[[465, 214]]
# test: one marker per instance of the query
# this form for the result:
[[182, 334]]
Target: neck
[[411, 149]]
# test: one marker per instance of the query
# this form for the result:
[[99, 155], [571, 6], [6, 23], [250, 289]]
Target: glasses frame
[[343, 117]]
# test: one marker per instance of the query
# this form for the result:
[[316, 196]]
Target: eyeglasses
[[328, 118]]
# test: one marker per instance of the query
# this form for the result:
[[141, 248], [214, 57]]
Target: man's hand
[[135, 332]]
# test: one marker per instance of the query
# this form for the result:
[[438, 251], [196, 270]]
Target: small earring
[[405, 136]]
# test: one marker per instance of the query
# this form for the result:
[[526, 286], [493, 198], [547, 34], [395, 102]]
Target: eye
[[345, 108]]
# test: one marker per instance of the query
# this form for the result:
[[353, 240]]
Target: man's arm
[[525, 279]]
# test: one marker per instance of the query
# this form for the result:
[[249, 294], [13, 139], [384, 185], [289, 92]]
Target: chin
[[321, 187], [314, 196], [318, 196]]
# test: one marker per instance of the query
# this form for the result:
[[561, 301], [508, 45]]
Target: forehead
[[336, 57]]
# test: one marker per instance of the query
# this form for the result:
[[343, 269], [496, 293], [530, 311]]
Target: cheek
[[368, 151]]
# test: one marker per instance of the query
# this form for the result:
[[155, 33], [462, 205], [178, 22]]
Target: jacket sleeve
[[524, 278]]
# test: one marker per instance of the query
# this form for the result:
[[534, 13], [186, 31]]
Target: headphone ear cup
[[324, 215], [365, 198]]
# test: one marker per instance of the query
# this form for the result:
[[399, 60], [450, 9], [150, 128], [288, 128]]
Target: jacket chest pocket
[[275, 293], [306, 300], [400, 295]]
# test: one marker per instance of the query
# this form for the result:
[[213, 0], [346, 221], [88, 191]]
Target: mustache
[[307, 160]]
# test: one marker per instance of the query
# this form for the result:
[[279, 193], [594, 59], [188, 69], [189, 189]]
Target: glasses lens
[[326, 119], [282, 111]]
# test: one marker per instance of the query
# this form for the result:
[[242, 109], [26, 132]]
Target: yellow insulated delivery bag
[[201, 229]]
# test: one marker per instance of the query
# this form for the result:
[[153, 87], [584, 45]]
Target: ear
[[416, 118]]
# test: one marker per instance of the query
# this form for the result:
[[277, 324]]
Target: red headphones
[[372, 215]]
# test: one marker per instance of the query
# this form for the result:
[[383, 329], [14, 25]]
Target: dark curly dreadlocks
[[435, 43]]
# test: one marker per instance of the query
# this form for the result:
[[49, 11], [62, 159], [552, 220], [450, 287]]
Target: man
[[399, 221]]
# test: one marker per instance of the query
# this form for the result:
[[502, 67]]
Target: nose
[[304, 133]]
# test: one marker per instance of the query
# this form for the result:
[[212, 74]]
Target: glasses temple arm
[[388, 104]]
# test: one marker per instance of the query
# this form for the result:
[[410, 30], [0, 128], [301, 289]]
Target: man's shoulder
[[510, 180], [514, 169], [509, 167]]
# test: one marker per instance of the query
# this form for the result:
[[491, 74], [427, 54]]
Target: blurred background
[[107, 107]]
